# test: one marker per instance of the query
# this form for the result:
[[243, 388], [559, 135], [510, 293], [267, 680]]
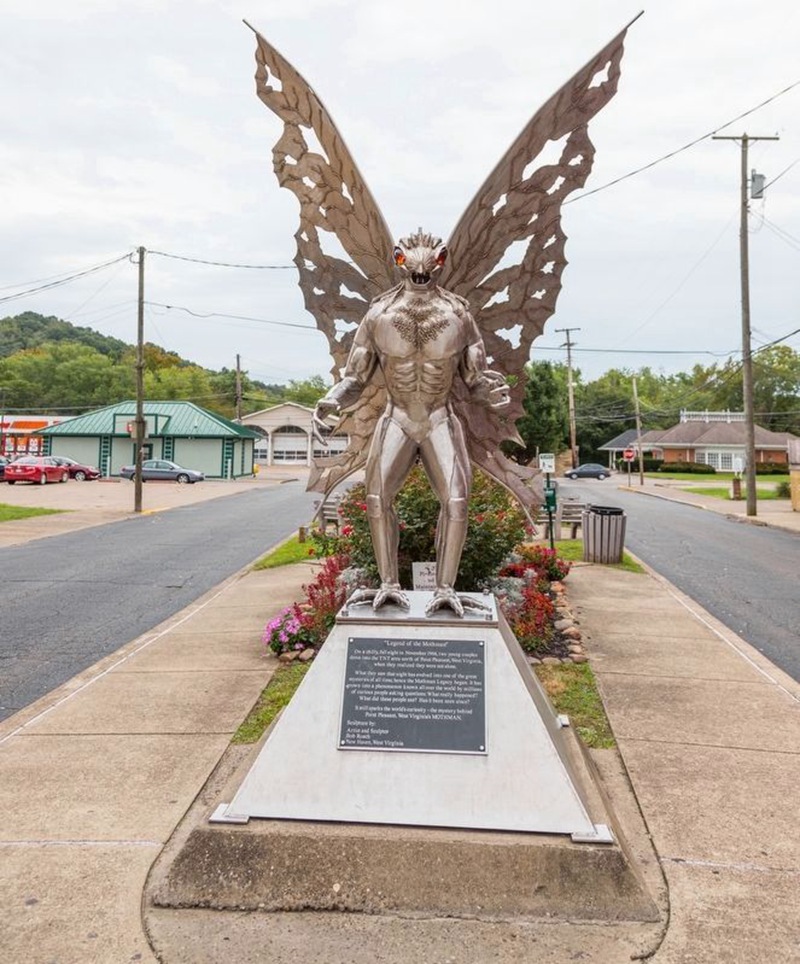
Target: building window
[[721, 461]]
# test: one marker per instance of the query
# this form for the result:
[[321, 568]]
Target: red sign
[[629, 455]]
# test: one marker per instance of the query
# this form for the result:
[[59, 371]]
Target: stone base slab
[[284, 865]]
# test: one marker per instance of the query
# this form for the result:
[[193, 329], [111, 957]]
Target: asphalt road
[[744, 575], [69, 600]]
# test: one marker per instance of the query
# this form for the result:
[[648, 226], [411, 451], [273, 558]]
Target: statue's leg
[[446, 462], [390, 459]]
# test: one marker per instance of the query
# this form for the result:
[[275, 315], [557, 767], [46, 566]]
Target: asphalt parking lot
[[107, 500]]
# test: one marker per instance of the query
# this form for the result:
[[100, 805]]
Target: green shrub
[[648, 464], [693, 468], [496, 525], [783, 490], [771, 468]]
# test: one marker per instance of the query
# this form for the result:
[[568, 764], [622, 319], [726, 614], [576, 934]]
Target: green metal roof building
[[179, 431]]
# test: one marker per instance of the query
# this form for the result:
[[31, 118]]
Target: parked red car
[[78, 470], [36, 468]]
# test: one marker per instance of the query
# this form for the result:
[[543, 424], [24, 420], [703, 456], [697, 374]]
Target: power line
[[64, 281], [780, 233], [779, 176], [636, 351], [218, 314], [224, 264], [686, 147]]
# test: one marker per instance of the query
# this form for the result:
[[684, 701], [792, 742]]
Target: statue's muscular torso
[[420, 342]]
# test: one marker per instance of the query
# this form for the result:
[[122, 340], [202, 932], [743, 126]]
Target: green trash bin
[[603, 533]]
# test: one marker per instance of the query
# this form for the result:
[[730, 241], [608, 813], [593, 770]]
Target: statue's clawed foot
[[388, 592], [458, 602]]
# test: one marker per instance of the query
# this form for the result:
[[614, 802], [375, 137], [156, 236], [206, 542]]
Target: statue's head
[[420, 256]]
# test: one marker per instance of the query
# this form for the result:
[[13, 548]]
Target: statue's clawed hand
[[320, 430], [493, 390]]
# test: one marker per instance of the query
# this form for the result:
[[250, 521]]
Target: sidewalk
[[95, 777], [771, 512]]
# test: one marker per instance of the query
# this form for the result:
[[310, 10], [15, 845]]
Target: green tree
[[604, 408], [306, 392], [776, 388], [544, 426], [186, 383], [62, 375]]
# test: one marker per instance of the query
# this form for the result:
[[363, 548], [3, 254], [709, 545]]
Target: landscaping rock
[[307, 654], [562, 624], [551, 661], [571, 632], [579, 658], [288, 657]]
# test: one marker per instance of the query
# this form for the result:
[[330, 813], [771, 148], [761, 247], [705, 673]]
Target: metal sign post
[[629, 456], [547, 464]]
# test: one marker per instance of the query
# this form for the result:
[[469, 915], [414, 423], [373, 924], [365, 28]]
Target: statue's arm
[[486, 386], [360, 366]]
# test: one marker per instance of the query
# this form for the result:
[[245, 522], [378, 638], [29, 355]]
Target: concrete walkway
[[95, 777]]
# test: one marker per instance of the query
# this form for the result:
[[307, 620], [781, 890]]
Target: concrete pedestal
[[372, 831], [525, 780]]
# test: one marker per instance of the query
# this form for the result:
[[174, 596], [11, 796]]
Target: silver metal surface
[[415, 615], [221, 815], [518, 209], [601, 834]]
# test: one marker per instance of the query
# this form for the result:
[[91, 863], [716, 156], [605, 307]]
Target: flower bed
[[525, 577]]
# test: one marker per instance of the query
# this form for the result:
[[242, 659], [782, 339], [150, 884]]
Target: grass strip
[[573, 691], [572, 551], [706, 476], [274, 697], [286, 554], [720, 493], [10, 512]]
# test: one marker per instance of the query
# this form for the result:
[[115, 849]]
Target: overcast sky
[[137, 123]]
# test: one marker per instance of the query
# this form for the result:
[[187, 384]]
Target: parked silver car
[[154, 470], [589, 470]]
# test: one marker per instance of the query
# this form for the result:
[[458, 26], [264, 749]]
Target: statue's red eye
[[399, 257], [441, 257]]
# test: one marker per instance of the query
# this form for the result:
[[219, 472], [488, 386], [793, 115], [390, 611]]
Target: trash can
[[603, 533]]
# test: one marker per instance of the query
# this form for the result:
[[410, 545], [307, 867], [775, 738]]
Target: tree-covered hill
[[51, 366], [29, 330]]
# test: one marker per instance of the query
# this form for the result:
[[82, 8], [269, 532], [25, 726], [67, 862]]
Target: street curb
[[746, 650], [748, 520]]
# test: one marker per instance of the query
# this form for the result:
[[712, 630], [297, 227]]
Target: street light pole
[[747, 357]]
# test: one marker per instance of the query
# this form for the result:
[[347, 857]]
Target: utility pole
[[573, 441], [747, 358], [638, 431], [2, 420], [139, 422], [238, 389]]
